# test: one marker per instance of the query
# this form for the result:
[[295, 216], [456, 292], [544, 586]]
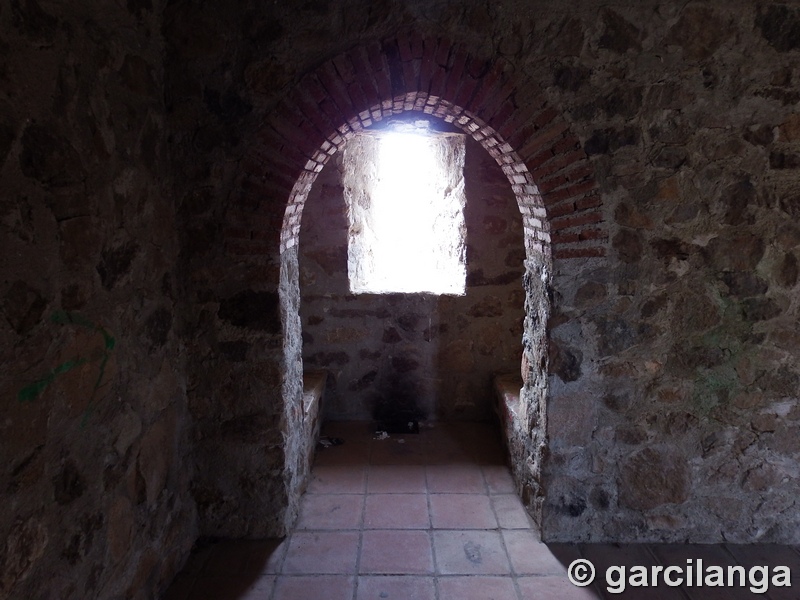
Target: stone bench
[[507, 388], [313, 391]]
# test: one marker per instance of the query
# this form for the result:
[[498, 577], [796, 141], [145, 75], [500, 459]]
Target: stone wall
[[94, 482], [234, 331], [397, 357], [674, 402], [155, 163], [672, 296]]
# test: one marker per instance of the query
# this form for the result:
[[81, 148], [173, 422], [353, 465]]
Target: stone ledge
[[313, 389], [507, 387], [314, 382]]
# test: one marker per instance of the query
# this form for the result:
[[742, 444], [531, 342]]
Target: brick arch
[[548, 170]]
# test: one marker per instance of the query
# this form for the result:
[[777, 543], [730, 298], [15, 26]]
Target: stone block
[[457, 357], [744, 284], [571, 77], [68, 484], [120, 528], [328, 359], [23, 306], [158, 326], [235, 350], [760, 309], [391, 336], [614, 335], [652, 477], [116, 262], [494, 225], [787, 274], [700, 32], [590, 294], [24, 546], [344, 335], [490, 306], [736, 253], [156, 455], [252, 310], [80, 241], [128, 427], [780, 26], [564, 361], [620, 35], [137, 76], [570, 420], [49, 158], [628, 245], [789, 130], [628, 216], [761, 478], [404, 363], [7, 137]]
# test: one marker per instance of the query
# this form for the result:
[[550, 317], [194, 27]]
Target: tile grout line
[[511, 572], [284, 551], [434, 559], [362, 522], [436, 575]]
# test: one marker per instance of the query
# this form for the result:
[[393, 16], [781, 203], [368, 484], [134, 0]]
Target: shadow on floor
[[434, 516]]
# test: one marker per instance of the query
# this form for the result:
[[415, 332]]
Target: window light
[[405, 196]]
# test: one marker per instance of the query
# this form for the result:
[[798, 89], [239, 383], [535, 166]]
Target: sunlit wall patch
[[405, 195]]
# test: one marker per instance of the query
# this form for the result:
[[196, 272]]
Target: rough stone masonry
[[158, 161]]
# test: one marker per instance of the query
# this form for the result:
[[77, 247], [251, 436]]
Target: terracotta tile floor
[[433, 516]]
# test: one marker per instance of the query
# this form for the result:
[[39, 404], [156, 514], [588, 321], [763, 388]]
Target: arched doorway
[[550, 175], [411, 354]]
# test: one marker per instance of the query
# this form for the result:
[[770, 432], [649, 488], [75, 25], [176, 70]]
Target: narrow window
[[405, 197]]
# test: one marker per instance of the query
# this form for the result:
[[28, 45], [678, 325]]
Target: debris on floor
[[381, 435], [327, 442], [397, 425]]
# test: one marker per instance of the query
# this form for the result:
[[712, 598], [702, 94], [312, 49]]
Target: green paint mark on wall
[[35, 389], [714, 386]]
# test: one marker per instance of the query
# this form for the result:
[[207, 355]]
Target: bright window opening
[[405, 196]]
